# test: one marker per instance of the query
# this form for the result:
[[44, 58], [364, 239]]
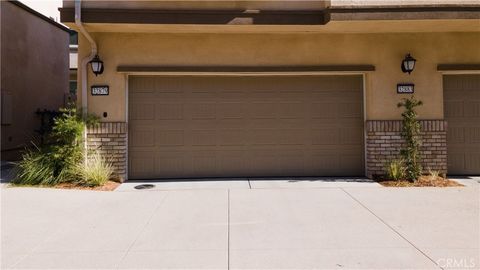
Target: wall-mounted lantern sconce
[[97, 65], [408, 64]]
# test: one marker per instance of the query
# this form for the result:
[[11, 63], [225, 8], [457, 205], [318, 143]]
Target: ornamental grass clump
[[34, 169], [411, 134], [395, 169], [96, 170]]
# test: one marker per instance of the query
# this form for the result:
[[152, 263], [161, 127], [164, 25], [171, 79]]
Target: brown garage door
[[462, 112], [230, 126]]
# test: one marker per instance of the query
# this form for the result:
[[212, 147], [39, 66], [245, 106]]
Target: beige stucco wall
[[385, 51], [34, 56]]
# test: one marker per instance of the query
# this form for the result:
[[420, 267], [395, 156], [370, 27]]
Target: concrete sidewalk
[[274, 224]]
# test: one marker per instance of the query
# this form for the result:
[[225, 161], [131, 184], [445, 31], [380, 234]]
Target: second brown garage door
[[462, 112], [222, 126]]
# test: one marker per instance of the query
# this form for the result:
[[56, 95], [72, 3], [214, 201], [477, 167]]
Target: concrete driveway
[[241, 224]]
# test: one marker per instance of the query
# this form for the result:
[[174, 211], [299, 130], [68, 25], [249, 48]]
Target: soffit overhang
[[333, 27]]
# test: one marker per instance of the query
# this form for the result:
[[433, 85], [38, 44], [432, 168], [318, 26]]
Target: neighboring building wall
[[110, 141], [384, 142], [34, 73]]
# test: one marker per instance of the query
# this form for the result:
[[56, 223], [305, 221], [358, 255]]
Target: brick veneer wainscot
[[110, 140], [384, 142]]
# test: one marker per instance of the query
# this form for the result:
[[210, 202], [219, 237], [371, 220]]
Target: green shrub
[[95, 171], [55, 162], [411, 132], [395, 169]]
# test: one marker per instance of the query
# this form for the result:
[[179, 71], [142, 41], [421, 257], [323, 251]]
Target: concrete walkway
[[242, 224]]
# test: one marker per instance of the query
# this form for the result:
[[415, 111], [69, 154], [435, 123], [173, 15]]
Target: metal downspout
[[84, 63]]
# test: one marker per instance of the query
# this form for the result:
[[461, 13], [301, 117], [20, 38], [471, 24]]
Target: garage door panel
[[350, 136], [263, 137], [291, 162], [170, 164], [454, 109], [231, 162], [169, 111], [263, 163], [324, 136], [202, 110], [230, 110], [456, 135], [350, 110], [202, 97], [291, 137], [263, 110], [456, 161], [291, 110], [142, 111], [470, 83], [265, 96], [288, 96], [472, 135], [142, 137], [204, 163], [231, 137], [245, 126], [202, 137], [142, 85], [231, 95], [170, 137], [231, 123], [325, 163], [350, 161], [324, 110], [141, 164], [472, 109], [473, 160], [166, 96], [462, 112]]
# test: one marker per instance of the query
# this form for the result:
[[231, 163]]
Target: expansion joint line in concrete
[[160, 203], [228, 229], [391, 228]]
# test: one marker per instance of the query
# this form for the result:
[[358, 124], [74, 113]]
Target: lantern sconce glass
[[97, 65], [408, 64]]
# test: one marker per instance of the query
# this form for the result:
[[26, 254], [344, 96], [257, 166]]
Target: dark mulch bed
[[423, 181]]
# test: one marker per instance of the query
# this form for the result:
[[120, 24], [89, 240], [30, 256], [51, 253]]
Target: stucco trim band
[[458, 67], [245, 69]]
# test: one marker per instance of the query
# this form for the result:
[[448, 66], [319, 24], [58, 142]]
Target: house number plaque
[[100, 90], [405, 88]]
